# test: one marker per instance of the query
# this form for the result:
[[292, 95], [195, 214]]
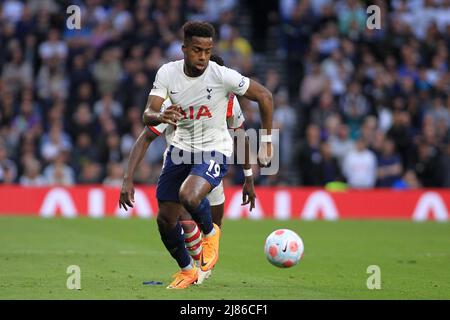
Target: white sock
[[190, 266], [213, 232]]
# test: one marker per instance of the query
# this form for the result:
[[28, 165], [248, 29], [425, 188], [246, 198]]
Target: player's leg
[[172, 236], [192, 236], [217, 199], [192, 195], [217, 214], [203, 178], [193, 242], [169, 213]]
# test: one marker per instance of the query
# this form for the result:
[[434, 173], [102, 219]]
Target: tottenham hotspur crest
[[209, 93]]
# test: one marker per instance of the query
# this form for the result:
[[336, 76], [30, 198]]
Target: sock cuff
[[193, 233]]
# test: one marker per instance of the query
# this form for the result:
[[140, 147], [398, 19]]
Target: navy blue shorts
[[179, 164]]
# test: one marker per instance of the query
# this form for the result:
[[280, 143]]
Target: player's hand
[[126, 195], [265, 154], [171, 115], [248, 193]]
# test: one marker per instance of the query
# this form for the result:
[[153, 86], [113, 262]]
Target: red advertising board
[[277, 203]]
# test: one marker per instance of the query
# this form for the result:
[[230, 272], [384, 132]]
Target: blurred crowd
[[366, 107]]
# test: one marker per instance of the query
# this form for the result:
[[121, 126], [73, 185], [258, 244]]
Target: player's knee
[[189, 201], [165, 223], [188, 225]]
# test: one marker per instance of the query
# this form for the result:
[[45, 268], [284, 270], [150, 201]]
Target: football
[[284, 248]]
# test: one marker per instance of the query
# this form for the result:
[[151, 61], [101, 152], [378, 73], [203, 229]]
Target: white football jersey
[[204, 101], [235, 119]]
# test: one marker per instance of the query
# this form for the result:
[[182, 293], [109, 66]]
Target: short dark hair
[[198, 29], [217, 59]]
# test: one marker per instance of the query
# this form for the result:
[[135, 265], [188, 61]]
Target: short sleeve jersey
[[205, 104], [235, 119]]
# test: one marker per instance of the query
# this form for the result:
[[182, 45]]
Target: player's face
[[197, 53]]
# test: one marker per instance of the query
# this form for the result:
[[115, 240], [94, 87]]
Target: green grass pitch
[[117, 255]]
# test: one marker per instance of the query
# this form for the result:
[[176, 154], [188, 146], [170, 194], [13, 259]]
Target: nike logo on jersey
[[173, 92]]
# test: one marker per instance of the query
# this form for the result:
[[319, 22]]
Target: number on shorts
[[214, 165]]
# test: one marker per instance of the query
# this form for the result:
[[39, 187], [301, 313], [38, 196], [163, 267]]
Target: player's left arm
[[248, 189], [257, 92], [236, 121], [251, 89]]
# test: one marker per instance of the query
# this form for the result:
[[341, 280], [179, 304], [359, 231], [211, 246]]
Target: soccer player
[[199, 90], [192, 235]]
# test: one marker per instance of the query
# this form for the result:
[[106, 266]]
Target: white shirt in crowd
[[360, 168]]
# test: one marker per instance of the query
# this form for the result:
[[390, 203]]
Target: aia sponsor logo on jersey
[[190, 114]]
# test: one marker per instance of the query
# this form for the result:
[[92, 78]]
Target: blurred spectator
[[82, 121], [341, 144], [296, 32], [328, 39], [83, 152], [29, 119], [110, 150], [408, 181], [236, 50], [54, 143], [90, 172], [360, 166], [107, 71], [368, 131], [445, 160], [8, 169], [401, 134], [12, 10], [79, 73], [309, 157], [58, 172], [145, 174], [128, 139], [114, 177], [107, 105], [273, 81], [338, 70], [439, 112], [324, 109], [313, 83], [354, 107], [51, 81], [284, 119], [352, 19], [53, 48], [17, 73], [428, 167], [389, 165], [32, 176], [329, 166]]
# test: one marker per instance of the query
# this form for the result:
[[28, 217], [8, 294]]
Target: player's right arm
[[136, 155], [153, 115]]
